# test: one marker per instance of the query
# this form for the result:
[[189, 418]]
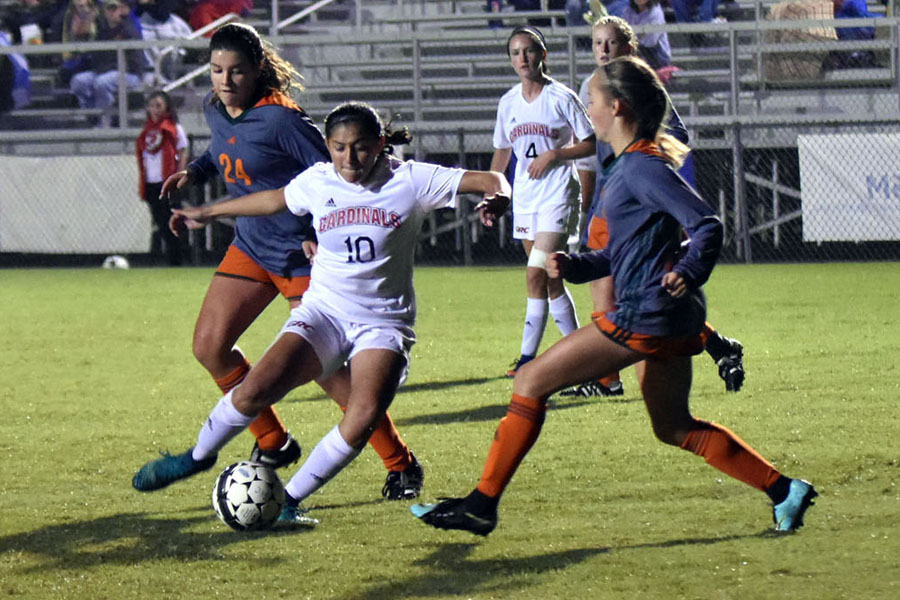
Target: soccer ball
[[248, 495], [115, 262]]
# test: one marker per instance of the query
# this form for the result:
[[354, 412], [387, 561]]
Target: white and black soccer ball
[[115, 261], [248, 495]]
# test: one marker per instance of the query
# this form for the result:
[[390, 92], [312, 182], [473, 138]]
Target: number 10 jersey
[[363, 270]]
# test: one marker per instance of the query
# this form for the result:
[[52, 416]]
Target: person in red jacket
[[161, 150]]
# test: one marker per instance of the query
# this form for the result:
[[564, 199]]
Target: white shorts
[[560, 218], [335, 341]]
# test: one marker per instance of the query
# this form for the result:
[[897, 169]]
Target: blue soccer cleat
[[452, 513], [164, 471], [788, 514], [296, 515]]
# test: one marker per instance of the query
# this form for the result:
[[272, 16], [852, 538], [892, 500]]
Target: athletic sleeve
[[434, 186], [204, 167], [587, 266], [297, 194], [501, 141], [588, 163], [663, 189], [299, 138]]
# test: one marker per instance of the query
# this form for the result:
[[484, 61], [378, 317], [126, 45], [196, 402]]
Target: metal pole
[[273, 28], [417, 92], [737, 151], [572, 70], [776, 229], [123, 89], [462, 211]]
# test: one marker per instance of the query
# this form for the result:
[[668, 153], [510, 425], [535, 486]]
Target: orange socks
[[267, 428], [515, 436], [389, 446], [725, 451]]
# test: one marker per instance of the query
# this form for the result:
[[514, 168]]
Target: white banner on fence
[[850, 187], [72, 205]]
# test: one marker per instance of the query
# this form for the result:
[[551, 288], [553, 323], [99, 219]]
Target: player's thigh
[[229, 308], [375, 375], [580, 356], [289, 362]]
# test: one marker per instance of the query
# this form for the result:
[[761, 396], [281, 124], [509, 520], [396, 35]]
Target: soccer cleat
[[731, 366], [517, 364], [288, 453], [297, 516], [595, 388], [788, 514], [451, 513], [404, 485], [164, 471]]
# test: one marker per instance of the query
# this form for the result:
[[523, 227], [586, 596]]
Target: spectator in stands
[[36, 13], [161, 149], [77, 23], [852, 9], [695, 11], [159, 22], [653, 47], [206, 11], [15, 79], [98, 84]]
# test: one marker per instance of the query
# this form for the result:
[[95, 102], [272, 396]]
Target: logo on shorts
[[520, 229], [330, 202], [301, 325]]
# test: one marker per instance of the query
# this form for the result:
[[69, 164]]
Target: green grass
[[96, 376]]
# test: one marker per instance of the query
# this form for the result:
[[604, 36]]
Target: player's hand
[[557, 265], [310, 248], [539, 165], [492, 208], [194, 217], [175, 181], [675, 284]]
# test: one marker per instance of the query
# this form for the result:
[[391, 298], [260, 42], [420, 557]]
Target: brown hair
[[632, 82], [276, 74]]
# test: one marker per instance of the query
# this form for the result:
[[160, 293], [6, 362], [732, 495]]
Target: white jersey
[[530, 129], [588, 163], [363, 271]]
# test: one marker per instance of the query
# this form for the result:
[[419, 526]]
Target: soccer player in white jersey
[[367, 208], [545, 125]]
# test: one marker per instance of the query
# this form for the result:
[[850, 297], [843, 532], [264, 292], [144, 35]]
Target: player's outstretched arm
[[495, 188], [259, 204], [175, 181]]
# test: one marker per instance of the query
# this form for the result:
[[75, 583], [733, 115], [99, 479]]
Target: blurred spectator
[[159, 22], [653, 47], [206, 11], [31, 21], [161, 150], [695, 11], [97, 85], [852, 9], [15, 79], [78, 23]]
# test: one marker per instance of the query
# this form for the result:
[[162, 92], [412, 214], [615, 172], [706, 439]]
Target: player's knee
[[670, 433]]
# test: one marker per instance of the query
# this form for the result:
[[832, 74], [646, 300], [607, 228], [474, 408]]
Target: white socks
[[535, 320], [563, 310], [326, 460], [223, 424]]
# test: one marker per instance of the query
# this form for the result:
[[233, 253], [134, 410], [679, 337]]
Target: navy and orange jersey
[[263, 149], [646, 204]]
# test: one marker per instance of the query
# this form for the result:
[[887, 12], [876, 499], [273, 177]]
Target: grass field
[[96, 376]]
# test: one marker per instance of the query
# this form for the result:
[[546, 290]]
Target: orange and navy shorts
[[238, 265], [598, 233], [652, 345]]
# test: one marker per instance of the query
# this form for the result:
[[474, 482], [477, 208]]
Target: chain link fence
[[794, 131]]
